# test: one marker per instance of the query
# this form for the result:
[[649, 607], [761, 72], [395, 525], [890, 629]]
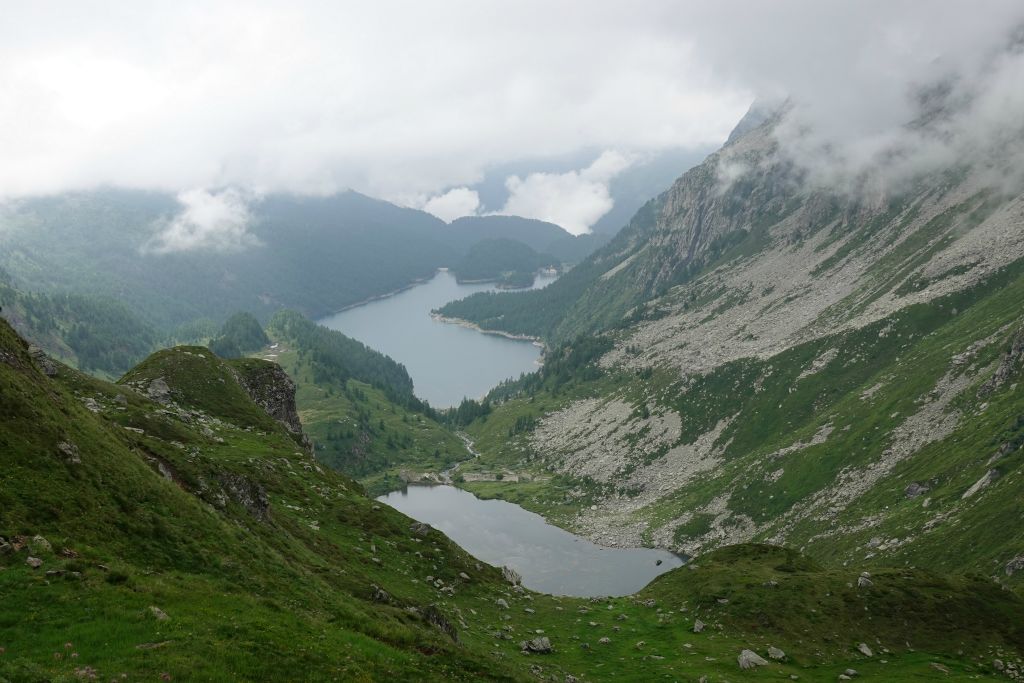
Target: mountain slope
[[182, 532], [834, 371]]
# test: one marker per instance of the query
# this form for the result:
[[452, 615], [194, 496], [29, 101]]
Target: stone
[[5, 547], [511, 575], [864, 582], [851, 672], [698, 625], [420, 528], [1015, 565], [158, 613], [42, 361], [749, 659], [776, 653], [159, 391], [464, 576], [540, 646], [379, 594], [915, 489], [502, 603], [865, 650], [247, 493], [69, 452], [998, 665], [34, 562], [985, 480], [39, 545], [604, 640]]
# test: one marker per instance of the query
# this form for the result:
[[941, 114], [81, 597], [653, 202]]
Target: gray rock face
[[985, 480], [420, 528], [159, 391], [69, 452], [749, 659], [252, 496], [511, 575], [915, 489], [1008, 365], [539, 646], [42, 361], [270, 387]]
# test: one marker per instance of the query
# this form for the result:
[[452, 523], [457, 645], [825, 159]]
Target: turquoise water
[[446, 362]]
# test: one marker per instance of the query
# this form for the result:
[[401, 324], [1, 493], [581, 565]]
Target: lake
[[550, 559], [447, 362]]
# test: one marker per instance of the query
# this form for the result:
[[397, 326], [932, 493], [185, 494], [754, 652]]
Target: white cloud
[[574, 200], [404, 99], [208, 221], [455, 203]]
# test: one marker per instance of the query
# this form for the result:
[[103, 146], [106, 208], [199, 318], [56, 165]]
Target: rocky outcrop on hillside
[[272, 389]]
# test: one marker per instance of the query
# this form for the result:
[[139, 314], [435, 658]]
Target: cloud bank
[[208, 221], [405, 100]]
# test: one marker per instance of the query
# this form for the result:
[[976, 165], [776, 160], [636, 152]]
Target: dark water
[[550, 559], [446, 362]]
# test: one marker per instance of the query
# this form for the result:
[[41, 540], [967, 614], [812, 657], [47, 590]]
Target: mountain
[[174, 526], [784, 363], [96, 334], [313, 254], [510, 262]]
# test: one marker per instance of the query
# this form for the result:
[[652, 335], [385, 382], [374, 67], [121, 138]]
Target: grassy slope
[[360, 432], [286, 592], [902, 358]]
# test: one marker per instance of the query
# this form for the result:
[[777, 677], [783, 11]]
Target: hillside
[[358, 406], [787, 364], [509, 262], [312, 254], [169, 527], [95, 334]]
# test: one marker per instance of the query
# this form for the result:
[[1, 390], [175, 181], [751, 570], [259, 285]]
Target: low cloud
[[574, 200], [208, 221], [455, 203]]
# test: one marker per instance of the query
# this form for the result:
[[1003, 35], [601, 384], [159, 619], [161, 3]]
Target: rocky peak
[[270, 387]]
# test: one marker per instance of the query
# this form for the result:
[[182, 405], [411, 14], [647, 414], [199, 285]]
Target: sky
[[413, 102]]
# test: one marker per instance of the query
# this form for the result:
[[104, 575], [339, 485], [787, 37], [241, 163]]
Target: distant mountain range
[[312, 254]]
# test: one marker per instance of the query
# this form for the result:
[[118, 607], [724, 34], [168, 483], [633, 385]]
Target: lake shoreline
[[536, 341]]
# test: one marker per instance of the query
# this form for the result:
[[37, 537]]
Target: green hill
[[182, 532]]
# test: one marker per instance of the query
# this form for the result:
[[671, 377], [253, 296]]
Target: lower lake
[[447, 362], [550, 559]]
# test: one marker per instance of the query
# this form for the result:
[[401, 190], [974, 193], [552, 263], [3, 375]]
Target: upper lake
[[447, 362]]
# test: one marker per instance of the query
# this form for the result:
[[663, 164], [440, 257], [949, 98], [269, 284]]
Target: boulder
[[776, 653], [698, 625], [158, 613], [501, 602], [915, 489], [34, 562], [511, 575], [865, 650], [749, 659], [540, 646], [69, 452], [39, 545], [419, 528]]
